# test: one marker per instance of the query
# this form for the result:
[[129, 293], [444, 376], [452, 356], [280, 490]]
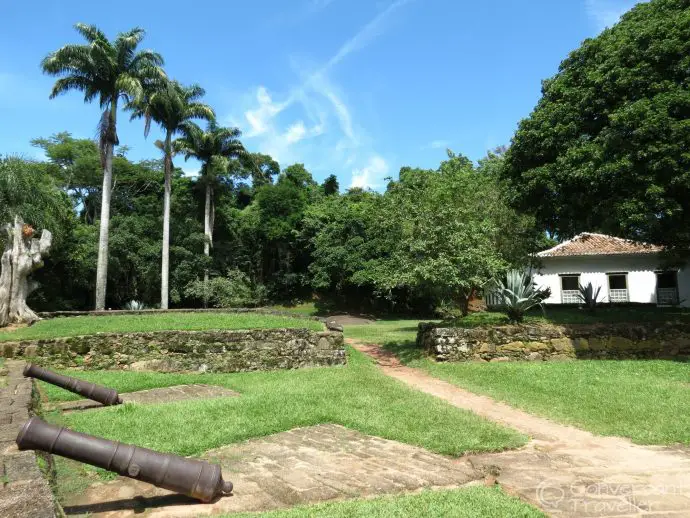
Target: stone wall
[[24, 491], [552, 342], [173, 351]]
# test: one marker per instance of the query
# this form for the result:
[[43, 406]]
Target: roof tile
[[599, 244]]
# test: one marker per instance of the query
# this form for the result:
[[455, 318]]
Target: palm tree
[[173, 107], [213, 148], [109, 70]]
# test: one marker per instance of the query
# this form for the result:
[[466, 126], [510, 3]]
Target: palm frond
[[90, 32]]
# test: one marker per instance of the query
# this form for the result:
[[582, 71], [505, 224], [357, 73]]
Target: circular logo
[[550, 496]]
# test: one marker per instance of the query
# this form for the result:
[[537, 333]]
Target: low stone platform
[[23, 489], [302, 466], [157, 395]]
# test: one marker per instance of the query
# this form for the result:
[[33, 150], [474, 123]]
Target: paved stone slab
[[302, 466], [566, 471], [23, 490], [158, 395]]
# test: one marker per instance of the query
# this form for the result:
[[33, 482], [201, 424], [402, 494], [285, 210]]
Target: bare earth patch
[[564, 470], [349, 320], [156, 396], [302, 466]]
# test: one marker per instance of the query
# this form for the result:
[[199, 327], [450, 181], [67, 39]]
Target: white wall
[[640, 270]]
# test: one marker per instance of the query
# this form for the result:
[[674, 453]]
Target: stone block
[[536, 346], [486, 347], [619, 343], [581, 344], [534, 357], [511, 347], [563, 345]]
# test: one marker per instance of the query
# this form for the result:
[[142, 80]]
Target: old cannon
[[198, 479], [104, 395]]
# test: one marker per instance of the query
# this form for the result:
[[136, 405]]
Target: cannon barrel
[[104, 395], [198, 479]]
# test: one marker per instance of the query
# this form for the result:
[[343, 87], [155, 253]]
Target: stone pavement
[[157, 395], [301, 466], [566, 471], [23, 489]]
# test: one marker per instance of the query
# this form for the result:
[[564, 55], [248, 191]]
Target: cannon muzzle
[[104, 395], [195, 478]]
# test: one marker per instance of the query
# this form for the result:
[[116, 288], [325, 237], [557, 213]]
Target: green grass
[[474, 502], [357, 396], [85, 325], [645, 400], [384, 331], [305, 309]]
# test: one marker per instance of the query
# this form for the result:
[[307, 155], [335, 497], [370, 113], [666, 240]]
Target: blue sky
[[357, 88]]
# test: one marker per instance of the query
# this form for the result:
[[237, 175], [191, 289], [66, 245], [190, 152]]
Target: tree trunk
[[165, 256], [463, 301], [102, 264], [23, 254], [208, 235]]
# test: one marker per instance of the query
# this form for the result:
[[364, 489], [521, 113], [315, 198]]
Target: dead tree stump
[[23, 254]]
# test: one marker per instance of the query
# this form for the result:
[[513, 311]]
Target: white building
[[626, 271]]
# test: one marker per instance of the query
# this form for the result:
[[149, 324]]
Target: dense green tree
[[606, 148], [444, 231], [108, 71], [330, 185], [27, 191], [172, 106], [214, 148]]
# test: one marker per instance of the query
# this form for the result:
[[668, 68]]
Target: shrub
[[135, 305], [232, 291], [589, 296], [518, 294]]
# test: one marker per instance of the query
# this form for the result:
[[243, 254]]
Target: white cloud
[[364, 36], [296, 132], [606, 13], [371, 175], [272, 126], [259, 119], [190, 172], [437, 144]]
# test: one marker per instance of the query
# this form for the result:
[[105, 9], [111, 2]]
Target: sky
[[355, 88]]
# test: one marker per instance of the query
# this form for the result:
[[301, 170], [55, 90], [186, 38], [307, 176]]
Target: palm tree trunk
[[102, 264], [208, 235], [165, 256]]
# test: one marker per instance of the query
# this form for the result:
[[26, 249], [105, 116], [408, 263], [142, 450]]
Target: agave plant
[[589, 296], [135, 305], [518, 294]]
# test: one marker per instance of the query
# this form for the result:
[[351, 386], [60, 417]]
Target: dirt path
[[564, 470]]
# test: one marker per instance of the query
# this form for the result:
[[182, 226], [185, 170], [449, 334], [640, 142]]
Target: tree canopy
[[607, 147]]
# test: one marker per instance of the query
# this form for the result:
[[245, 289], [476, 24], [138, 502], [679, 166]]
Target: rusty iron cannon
[[194, 478], [104, 395]]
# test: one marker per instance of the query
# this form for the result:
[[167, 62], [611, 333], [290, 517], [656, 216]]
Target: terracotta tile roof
[[598, 244]]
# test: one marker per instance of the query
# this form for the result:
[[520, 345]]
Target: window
[[667, 288], [570, 285], [618, 287]]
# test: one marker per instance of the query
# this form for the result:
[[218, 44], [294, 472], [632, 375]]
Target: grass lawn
[[84, 325], [357, 396], [306, 309], [645, 400], [474, 502], [385, 331]]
